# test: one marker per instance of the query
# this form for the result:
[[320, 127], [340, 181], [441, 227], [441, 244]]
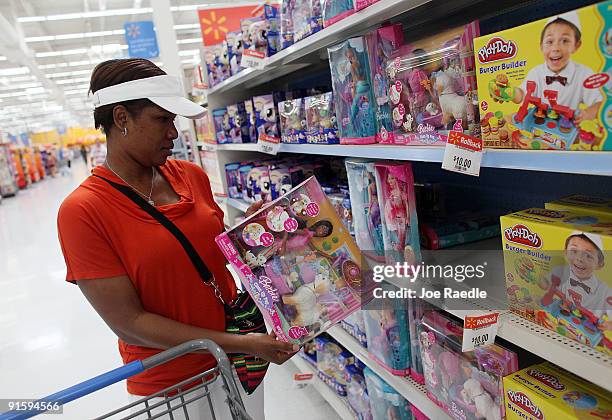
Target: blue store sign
[[141, 39]]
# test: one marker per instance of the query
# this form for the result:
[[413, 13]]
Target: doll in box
[[386, 403], [251, 120], [336, 10], [332, 361], [321, 123], [266, 117], [292, 121], [357, 391], [235, 48], [222, 125], [238, 123]]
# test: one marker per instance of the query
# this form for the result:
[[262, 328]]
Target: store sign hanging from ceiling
[[141, 39], [218, 21]]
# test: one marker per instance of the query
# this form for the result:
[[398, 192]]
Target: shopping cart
[[170, 403]]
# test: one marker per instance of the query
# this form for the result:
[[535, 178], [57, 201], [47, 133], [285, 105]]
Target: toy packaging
[[286, 24], [243, 171], [385, 402], [365, 207], [558, 272], [222, 126], [357, 391], [239, 129], [416, 309], [258, 183], [251, 118], [548, 98], [266, 118], [232, 173], [362, 4], [546, 392], [321, 122], [354, 324], [308, 352], [306, 18], [381, 43], [466, 385], [217, 63], [353, 98], [298, 262], [583, 204], [432, 88], [400, 228], [342, 203], [336, 10], [248, 34], [446, 232], [332, 361], [234, 49], [388, 336], [280, 181], [292, 121]]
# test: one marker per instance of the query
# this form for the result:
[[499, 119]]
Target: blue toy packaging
[[239, 130], [354, 324], [266, 118], [336, 10], [232, 173], [357, 391], [251, 118], [286, 24], [353, 98], [292, 121], [217, 63], [332, 361], [381, 44], [280, 180], [321, 122], [385, 402], [234, 48], [244, 170], [222, 126]]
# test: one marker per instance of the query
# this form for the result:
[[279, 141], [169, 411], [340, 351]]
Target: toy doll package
[[400, 229], [332, 361], [222, 126], [353, 97], [266, 118], [292, 121], [357, 392], [385, 402], [558, 272], [432, 88], [551, 97], [239, 130], [583, 204], [286, 24], [234, 48], [321, 122], [298, 262], [336, 10], [381, 44], [251, 120], [217, 63], [466, 385]]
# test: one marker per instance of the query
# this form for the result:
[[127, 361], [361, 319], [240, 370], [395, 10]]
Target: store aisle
[[52, 339]]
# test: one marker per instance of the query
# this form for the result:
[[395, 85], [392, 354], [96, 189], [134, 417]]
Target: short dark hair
[[113, 72], [600, 254], [562, 21]]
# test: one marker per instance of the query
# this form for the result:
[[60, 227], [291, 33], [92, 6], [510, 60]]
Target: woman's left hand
[[253, 208]]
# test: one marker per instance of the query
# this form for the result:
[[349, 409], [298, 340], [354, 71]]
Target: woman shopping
[[132, 269]]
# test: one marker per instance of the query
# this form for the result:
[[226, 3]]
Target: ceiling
[[51, 47]]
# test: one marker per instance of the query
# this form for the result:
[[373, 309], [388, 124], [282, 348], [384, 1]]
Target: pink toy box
[[468, 385], [298, 262], [432, 88]]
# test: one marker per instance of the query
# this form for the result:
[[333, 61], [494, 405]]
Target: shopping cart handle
[[80, 390]]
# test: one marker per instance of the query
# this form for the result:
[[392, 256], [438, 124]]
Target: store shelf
[[241, 147], [337, 403], [411, 390], [238, 204]]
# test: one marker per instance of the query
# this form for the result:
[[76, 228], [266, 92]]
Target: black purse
[[241, 314]]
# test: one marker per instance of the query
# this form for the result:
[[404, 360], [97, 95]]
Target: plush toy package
[[332, 361], [222, 126], [239, 129], [558, 272], [357, 391], [583, 204], [467, 385], [266, 118], [553, 95], [321, 122], [234, 49], [292, 120], [251, 118], [353, 97], [385, 402], [546, 392], [298, 262]]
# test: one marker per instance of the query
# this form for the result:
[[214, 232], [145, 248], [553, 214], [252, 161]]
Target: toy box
[[342, 203], [558, 272], [439, 233], [306, 18], [308, 352], [251, 118], [400, 228], [286, 24], [336, 10], [217, 63], [353, 97], [381, 43], [234, 49], [321, 122], [239, 129], [266, 118], [354, 324], [385, 402], [432, 88], [248, 34], [357, 391], [583, 204], [365, 207], [362, 4], [292, 121], [332, 361], [222, 125], [243, 171], [280, 181], [232, 173], [264, 33], [545, 97], [545, 392], [466, 385], [416, 309], [299, 264], [258, 184], [388, 336]]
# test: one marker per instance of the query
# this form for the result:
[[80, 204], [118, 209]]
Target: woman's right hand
[[270, 348]]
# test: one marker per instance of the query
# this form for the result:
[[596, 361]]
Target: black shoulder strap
[[195, 258]]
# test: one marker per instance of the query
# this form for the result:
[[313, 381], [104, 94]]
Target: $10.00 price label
[[267, 144], [479, 331], [462, 154], [254, 59]]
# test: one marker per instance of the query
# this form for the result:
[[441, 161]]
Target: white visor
[[164, 91]]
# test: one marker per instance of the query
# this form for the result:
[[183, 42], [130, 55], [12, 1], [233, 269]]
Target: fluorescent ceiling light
[[59, 53], [13, 79], [74, 36], [190, 41], [22, 94], [72, 81], [187, 53], [186, 26], [94, 48], [76, 92], [3, 58], [14, 71], [68, 73], [86, 15], [20, 86]]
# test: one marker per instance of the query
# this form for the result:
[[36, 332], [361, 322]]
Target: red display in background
[[216, 22]]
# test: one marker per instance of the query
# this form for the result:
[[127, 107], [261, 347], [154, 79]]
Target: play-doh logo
[[497, 49], [521, 234], [523, 402], [550, 381]]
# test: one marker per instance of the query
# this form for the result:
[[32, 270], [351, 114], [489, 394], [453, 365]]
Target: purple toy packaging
[[280, 181], [266, 118], [299, 264], [239, 130], [258, 183], [321, 124], [286, 24], [232, 173], [332, 360], [432, 88], [292, 121], [336, 10], [381, 44], [222, 125], [251, 120], [243, 172], [234, 48]]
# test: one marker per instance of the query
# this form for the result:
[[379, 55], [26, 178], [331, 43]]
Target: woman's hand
[[270, 348], [253, 208]]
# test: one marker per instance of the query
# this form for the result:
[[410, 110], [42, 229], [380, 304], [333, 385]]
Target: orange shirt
[[103, 234]]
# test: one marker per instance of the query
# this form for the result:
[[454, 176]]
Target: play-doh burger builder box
[[583, 204], [558, 272], [546, 392], [546, 85]]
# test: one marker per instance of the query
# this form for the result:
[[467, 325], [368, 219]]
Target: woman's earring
[[124, 131]]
